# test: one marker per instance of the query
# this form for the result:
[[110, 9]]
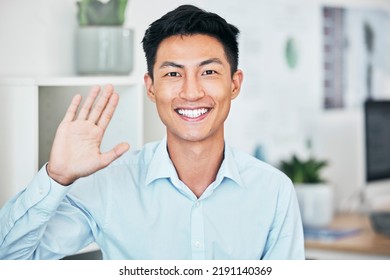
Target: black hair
[[190, 20]]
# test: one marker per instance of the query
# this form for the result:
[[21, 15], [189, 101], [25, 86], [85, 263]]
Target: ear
[[237, 79], [149, 87]]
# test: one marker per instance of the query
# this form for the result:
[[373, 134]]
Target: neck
[[196, 163]]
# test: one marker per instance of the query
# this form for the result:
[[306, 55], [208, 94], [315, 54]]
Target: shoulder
[[122, 176], [141, 157], [252, 170], [125, 171]]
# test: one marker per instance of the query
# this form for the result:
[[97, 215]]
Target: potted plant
[[315, 196], [103, 45]]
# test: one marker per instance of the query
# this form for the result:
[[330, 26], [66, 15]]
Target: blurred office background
[[308, 64]]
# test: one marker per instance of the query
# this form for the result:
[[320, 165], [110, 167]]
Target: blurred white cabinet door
[[19, 135]]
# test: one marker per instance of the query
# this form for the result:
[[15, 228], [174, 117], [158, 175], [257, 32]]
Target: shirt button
[[40, 191], [197, 244], [197, 204]]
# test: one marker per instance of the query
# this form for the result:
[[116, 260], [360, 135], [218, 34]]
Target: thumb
[[113, 154]]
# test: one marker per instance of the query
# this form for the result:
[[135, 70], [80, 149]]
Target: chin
[[195, 137]]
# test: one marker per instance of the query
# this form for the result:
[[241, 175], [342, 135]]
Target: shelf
[[73, 81], [83, 81]]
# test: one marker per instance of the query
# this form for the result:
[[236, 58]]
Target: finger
[[101, 104], [116, 152], [86, 108], [72, 109], [108, 112]]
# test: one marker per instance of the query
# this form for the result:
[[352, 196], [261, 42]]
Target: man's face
[[193, 87]]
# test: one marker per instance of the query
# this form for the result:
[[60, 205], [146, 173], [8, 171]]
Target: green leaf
[[303, 171], [94, 12]]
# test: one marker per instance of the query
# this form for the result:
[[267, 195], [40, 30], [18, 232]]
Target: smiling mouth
[[192, 113]]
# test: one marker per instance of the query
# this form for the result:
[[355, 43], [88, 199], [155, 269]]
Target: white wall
[[36, 37], [278, 108]]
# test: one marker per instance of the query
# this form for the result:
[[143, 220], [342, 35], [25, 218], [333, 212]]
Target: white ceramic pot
[[104, 50], [316, 204]]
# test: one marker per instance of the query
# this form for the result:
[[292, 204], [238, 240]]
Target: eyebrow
[[211, 61], [203, 63], [170, 64]]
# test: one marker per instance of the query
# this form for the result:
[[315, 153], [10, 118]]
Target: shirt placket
[[197, 231]]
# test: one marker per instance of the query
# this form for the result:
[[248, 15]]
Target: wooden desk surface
[[366, 241]]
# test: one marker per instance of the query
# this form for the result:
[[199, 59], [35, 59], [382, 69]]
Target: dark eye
[[173, 74], [209, 72]]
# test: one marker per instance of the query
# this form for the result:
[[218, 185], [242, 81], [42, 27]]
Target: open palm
[[76, 148]]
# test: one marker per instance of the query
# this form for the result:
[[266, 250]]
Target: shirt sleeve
[[285, 240], [41, 222]]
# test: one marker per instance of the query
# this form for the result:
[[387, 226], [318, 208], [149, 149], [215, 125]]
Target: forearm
[[24, 218]]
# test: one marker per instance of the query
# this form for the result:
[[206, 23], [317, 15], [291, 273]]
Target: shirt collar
[[229, 168], [162, 167]]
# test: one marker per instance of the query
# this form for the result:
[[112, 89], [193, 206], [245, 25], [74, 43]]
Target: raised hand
[[76, 147]]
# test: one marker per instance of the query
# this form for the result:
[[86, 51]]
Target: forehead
[[189, 48]]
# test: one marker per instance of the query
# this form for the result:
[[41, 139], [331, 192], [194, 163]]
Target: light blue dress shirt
[[137, 208]]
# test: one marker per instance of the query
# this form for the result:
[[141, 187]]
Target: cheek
[[164, 109], [220, 88], [169, 87], [221, 94], [225, 108], [162, 105], [224, 103]]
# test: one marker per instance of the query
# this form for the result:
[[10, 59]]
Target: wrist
[[62, 180]]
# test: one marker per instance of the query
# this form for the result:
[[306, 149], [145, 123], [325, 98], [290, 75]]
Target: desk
[[365, 244]]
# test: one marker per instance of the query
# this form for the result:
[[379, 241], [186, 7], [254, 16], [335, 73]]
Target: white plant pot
[[316, 204], [104, 50]]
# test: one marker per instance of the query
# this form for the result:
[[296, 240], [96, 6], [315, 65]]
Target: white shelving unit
[[31, 109]]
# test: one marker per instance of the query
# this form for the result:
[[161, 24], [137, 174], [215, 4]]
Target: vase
[[316, 204], [104, 50]]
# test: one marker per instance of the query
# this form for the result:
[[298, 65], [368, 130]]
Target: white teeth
[[192, 113]]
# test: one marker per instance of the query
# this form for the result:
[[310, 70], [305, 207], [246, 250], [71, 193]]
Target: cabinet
[[31, 109]]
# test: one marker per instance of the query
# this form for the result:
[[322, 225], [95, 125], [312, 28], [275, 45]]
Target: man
[[190, 196]]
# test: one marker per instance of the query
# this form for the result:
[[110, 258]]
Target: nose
[[192, 89]]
